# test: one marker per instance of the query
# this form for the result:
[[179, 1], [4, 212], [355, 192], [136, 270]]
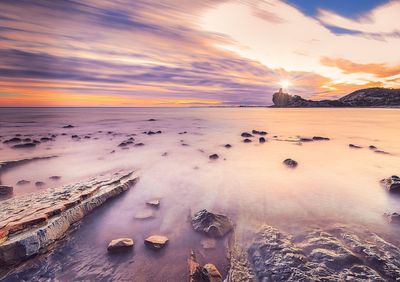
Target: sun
[[285, 83]]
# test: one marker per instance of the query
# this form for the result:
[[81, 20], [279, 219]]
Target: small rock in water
[[154, 203], [305, 139], [6, 190], [381, 152], [55, 177], [320, 138], [247, 140], [39, 183], [290, 163], [228, 146], [213, 157], [139, 144], [372, 147], [208, 243], [68, 126], [214, 225], [23, 182], [156, 241], [120, 244], [13, 140], [392, 184], [262, 140], [45, 139], [151, 119], [144, 214], [246, 134], [259, 132], [354, 146], [24, 145], [164, 154]]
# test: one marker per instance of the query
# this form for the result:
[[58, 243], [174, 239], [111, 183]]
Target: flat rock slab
[[156, 241], [31, 223], [120, 244]]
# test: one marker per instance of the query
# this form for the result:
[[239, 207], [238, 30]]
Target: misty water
[[333, 184]]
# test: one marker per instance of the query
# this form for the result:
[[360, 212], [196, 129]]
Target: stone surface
[[247, 140], [6, 190], [156, 241], [153, 203], [246, 134], [120, 244], [261, 140], [392, 184], [290, 163], [214, 225], [213, 157], [30, 224]]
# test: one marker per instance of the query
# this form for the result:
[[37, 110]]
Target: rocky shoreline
[[30, 224]]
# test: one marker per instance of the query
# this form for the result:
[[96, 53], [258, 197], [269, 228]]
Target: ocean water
[[332, 184]]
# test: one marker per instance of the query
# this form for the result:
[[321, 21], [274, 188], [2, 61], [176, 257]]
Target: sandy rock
[[156, 241], [214, 225], [120, 244]]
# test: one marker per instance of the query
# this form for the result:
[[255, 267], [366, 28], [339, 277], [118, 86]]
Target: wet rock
[[68, 126], [228, 146], [381, 152], [320, 138], [290, 163], [259, 132], [246, 135], [144, 214], [164, 154], [372, 147], [150, 133], [354, 146], [36, 141], [45, 139], [120, 244], [392, 184], [87, 137], [393, 217], [305, 139], [39, 183], [74, 136], [24, 145], [125, 143], [213, 157], [27, 140], [261, 140], [153, 203], [6, 190], [208, 243], [183, 132], [151, 119], [247, 140], [23, 182], [158, 132], [206, 273], [13, 140], [214, 225], [55, 177], [139, 144], [156, 241]]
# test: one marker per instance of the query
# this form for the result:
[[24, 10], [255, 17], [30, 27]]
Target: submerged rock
[[55, 177], [23, 182], [259, 132], [24, 145], [393, 217], [214, 225], [39, 183], [156, 241], [354, 146], [6, 190], [68, 126], [206, 273], [120, 244], [208, 243], [392, 184], [320, 138], [144, 214], [290, 163], [228, 146], [247, 140], [246, 134], [213, 157]]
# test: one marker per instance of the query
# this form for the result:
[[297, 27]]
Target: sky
[[178, 53]]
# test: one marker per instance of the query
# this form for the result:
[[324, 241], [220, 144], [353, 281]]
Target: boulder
[[290, 163], [246, 135], [213, 157], [156, 241], [214, 225], [206, 273], [393, 217], [6, 190], [120, 244], [392, 184]]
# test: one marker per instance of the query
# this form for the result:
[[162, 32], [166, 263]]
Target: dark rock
[[152, 119], [13, 140], [74, 136], [139, 144], [120, 244], [381, 152], [183, 132], [247, 140], [6, 190], [213, 156], [304, 139], [354, 146], [372, 147], [23, 182], [393, 217], [158, 132], [150, 133], [392, 184], [214, 225], [156, 241], [258, 132], [246, 134], [87, 137], [290, 163], [262, 140], [27, 140], [45, 139], [164, 154], [68, 126], [55, 177], [39, 183], [153, 203], [36, 141], [24, 145], [228, 146], [320, 138]]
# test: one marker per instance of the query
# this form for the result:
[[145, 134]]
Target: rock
[[290, 163], [305, 139], [183, 132], [24, 145], [74, 136], [214, 225], [45, 139], [213, 157], [208, 243], [258, 132], [151, 119], [120, 244], [206, 273], [139, 144], [13, 140], [153, 203], [55, 177], [6, 190], [354, 146], [150, 133], [164, 154], [228, 146], [392, 184], [27, 140], [246, 134], [39, 183], [158, 132], [381, 152], [262, 140], [212, 272], [68, 126], [320, 138], [144, 214], [23, 182], [372, 147], [156, 241], [247, 140]]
